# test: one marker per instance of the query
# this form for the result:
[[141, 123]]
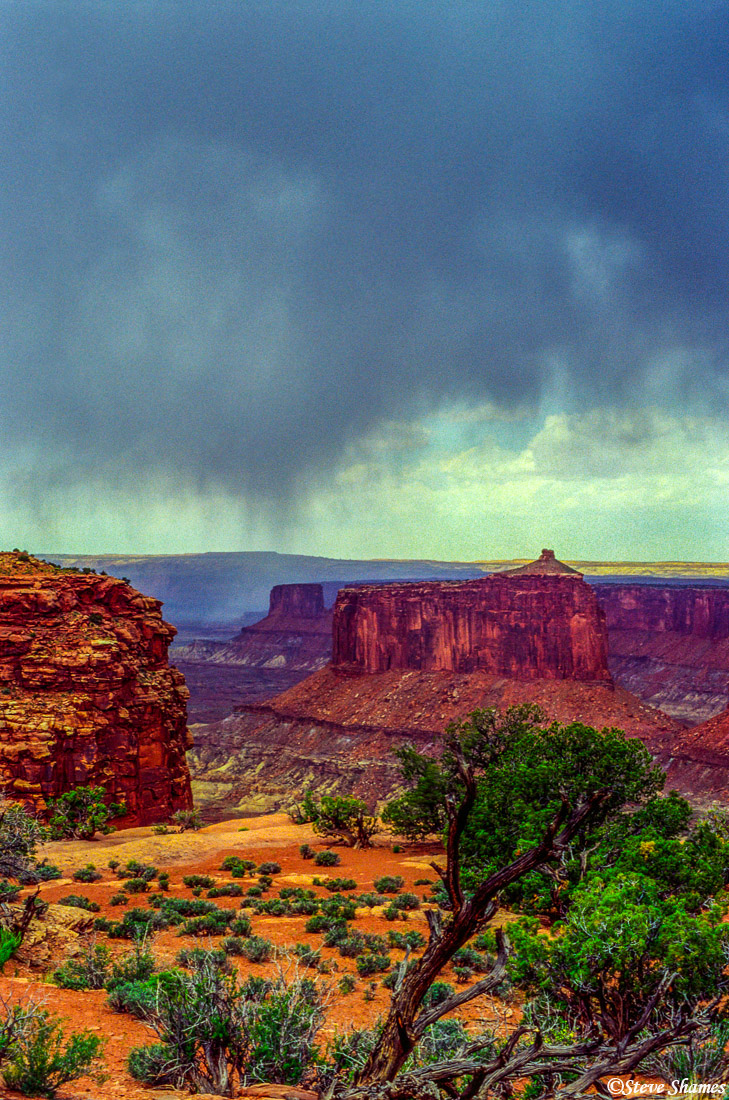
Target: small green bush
[[336, 885], [87, 874], [238, 868], [43, 1060], [347, 984], [229, 890], [80, 901], [198, 880], [327, 859], [8, 892], [81, 813], [241, 926], [257, 949], [372, 964], [306, 851], [9, 944], [89, 971], [154, 1065], [389, 884], [136, 885], [406, 940], [438, 992]]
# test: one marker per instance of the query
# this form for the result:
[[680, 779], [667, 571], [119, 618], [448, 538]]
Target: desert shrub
[[337, 931], [154, 1064], [80, 901], [215, 1032], [229, 890], [198, 880], [241, 926], [306, 851], [89, 971], [443, 1040], [467, 956], [254, 892], [304, 907], [347, 984], [423, 882], [160, 830], [238, 868], [195, 957], [135, 924], [307, 956], [138, 965], [368, 901], [327, 859], [232, 945], [163, 880], [351, 947], [46, 872], [393, 913], [135, 869], [372, 964], [345, 819], [389, 884], [265, 882], [212, 924], [187, 819], [438, 993], [406, 902], [136, 885], [42, 1059], [319, 923], [406, 940], [113, 864], [396, 975], [81, 813], [269, 868], [336, 885], [276, 907], [87, 874], [338, 906], [257, 949], [138, 999]]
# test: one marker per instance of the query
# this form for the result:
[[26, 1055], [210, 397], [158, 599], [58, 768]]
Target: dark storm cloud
[[236, 235]]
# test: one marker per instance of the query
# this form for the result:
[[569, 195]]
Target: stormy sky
[[363, 278]]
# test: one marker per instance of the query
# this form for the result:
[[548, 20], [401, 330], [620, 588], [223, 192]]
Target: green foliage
[[187, 819], [42, 1059], [230, 890], [257, 949], [405, 941], [341, 817], [389, 884], [138, 965], [20, 834], [421, 811], [437, 994], [372, 964], [80, 901], [89, 971], [9, 944], [81, 813], [136, 885], [198, 880], [118, 899], [336, 885], [238, 868], [269, 868], [8, 892], [306, 851], [215, 1031], [327, 859], [621, 945], [87, 874]]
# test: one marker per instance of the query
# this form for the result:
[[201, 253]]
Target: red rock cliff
[[526, 626], [86, 694], [669, 644]]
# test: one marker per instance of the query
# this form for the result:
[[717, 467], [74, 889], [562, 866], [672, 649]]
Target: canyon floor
[[266, 838]]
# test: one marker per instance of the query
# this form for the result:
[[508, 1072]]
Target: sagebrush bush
[[87, 874], [389, 884], [89, 971], [42, 1059], [327, 859], [80, 901]]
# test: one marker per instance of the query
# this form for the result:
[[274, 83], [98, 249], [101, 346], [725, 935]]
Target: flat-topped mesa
[[300, 604], [537, 622], [87, 697]]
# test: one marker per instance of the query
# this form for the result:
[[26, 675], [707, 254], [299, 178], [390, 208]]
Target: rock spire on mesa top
[[545, 565]]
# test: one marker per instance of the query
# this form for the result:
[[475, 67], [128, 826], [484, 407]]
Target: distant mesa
[[87, 697]]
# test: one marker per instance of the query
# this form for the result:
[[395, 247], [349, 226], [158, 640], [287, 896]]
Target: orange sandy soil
[[269, 838]]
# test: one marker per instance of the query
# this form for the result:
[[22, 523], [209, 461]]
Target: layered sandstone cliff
[[527, 626], [670, 645], [87, 697]]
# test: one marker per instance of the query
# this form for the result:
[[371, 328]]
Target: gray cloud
[[237, 235]]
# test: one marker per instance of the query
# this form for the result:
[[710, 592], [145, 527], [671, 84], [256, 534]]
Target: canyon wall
[[87, 697], [670, 645], [525, 627]]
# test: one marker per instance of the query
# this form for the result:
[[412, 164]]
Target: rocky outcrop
[[296, 634], [670, 645], [87, 697], [527, 626], [335, 731], [699, 760]]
